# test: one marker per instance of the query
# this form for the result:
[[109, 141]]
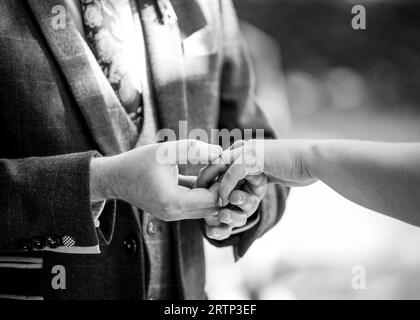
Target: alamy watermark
[[248, 153], [58, 281], [58, 21], [358, 281], [358, 21]]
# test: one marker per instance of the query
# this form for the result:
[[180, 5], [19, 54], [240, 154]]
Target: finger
[[257, 180], [233, 218], [237, 144], [172, 215], [187, 151], [194, 203], [256, 184], [219, 233], [247, 202], [212, 221], [250, 152], [209, 173], [201, 153], [187, 181], [230, 180], [230, 155]]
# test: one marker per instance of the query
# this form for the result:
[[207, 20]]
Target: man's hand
[[148, 178], [239, 203]]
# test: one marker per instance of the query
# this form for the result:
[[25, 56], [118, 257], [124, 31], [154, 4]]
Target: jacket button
[[53, 242], [38, 243], [68, 241], [130, 245], [26, 246]]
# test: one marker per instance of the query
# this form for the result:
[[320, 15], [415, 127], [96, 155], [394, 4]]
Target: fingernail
[[227, 218], [235, 199], [214, 235], [220, 202]]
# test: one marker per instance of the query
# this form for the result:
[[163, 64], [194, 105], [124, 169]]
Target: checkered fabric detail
[[68, 241]]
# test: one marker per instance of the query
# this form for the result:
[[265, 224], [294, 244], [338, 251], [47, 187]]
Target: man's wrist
[[100, 180]]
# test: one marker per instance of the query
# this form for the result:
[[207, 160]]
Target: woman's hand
[[240, 204], [384, 177], [287, 162]]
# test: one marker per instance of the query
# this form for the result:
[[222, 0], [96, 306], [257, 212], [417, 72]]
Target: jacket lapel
[[164, 48], [107, 120]]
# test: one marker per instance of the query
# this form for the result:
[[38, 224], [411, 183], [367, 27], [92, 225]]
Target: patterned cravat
[[109, 27]]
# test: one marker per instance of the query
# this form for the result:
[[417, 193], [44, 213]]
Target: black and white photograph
[[233, 151]]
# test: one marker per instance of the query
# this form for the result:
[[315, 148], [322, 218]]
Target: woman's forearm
[[380, 176]]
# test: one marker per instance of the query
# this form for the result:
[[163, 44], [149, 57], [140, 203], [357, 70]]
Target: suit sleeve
[[240, 110], [45, 205]]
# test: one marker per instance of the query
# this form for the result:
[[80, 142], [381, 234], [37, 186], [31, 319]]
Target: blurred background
[[319, 78]]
